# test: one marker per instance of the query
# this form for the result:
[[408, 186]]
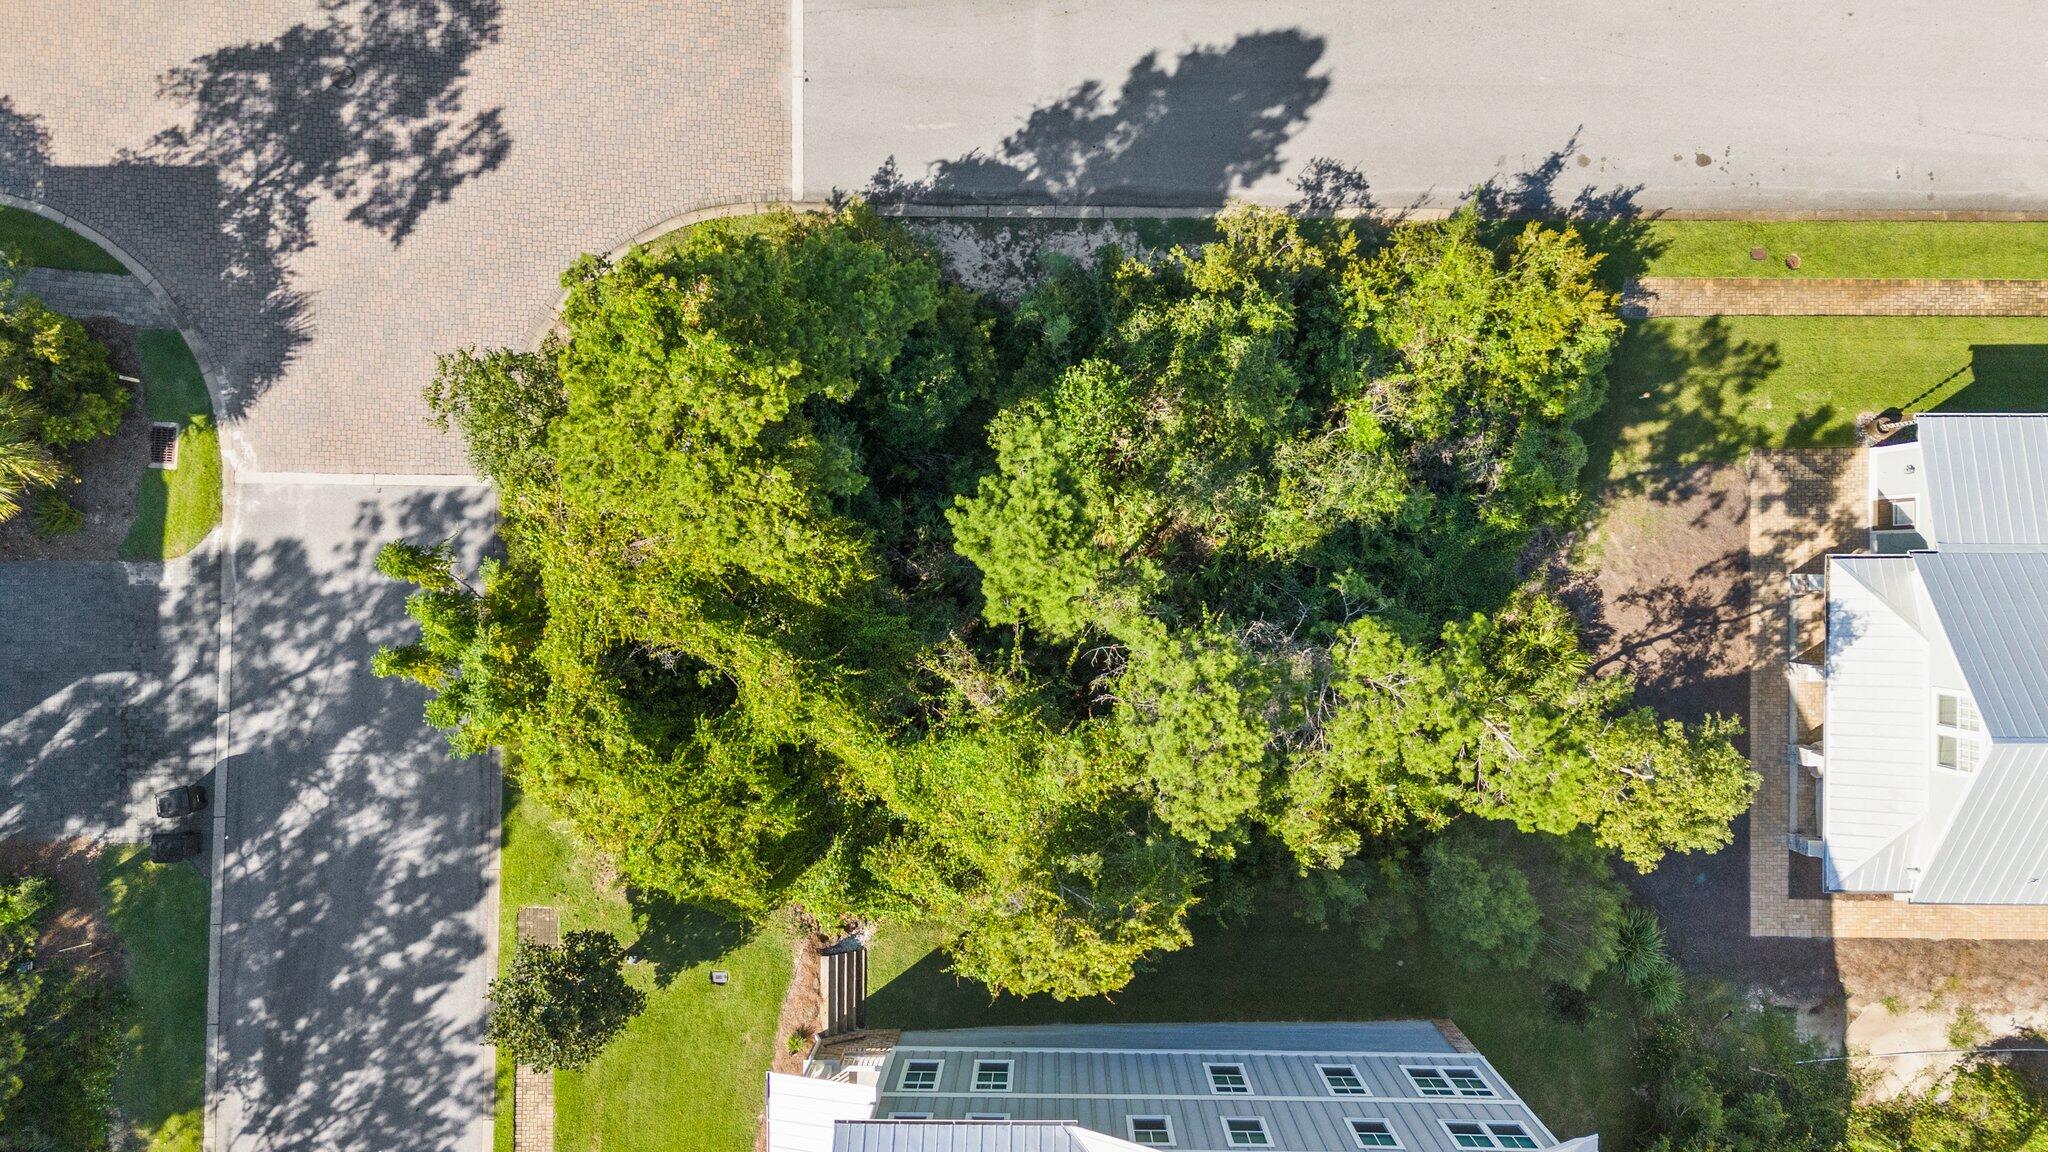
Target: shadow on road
[[1191, 134], [363, 107], [354, 943]]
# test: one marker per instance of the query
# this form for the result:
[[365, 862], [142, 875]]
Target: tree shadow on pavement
[[363, 107], [1192, 134], [354, 937]]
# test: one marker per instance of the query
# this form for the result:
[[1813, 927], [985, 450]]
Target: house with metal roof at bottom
[[1412, 1085], [1928, 772]]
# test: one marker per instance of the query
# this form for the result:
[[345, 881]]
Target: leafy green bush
[[1723, 1075], [50, 361], [558, 1005], [1983, 1106], [56, 516], [24, 462]]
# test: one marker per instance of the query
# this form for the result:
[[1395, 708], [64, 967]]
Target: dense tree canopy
[[830, 583]]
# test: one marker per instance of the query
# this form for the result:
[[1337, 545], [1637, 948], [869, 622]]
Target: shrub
[[50, 361], [24, 463], [56, 516], [558, 1005]]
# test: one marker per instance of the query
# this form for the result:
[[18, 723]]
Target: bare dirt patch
[[78, 934], [105, 474]]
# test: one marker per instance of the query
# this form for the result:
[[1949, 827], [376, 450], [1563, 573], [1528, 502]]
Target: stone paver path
[[124, 298], [533, 1091], [1805, 503], [333, 192], [1760, 296]]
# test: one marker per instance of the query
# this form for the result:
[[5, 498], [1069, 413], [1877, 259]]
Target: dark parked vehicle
[[183, 800], [173, 846]]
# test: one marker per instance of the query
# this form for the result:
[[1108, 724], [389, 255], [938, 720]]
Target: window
[[1246, 1132], [988, 1115], [1466, 1134], [1957, 729], [1374, 1133], [1228, 1080], [991, 1075], [1468, 1082], [1152, 1131], [920, 1076], [910, 1115], [1342, 1080], [1430, 1082]]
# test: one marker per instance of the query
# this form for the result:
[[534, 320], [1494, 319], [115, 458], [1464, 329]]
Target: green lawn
[[1940, 250], [689, 1072], [175, 508], [40, 243], [1275, 967], [160, 912], [1720, 386]]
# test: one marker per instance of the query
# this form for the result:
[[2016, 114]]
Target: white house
[[1405, 1084], [1931, 765]]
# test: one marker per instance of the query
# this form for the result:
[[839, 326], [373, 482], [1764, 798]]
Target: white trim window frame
[[999, 1073], [1373, 1131], [910, 1115], [988, 1116], [1488, 1135], [1256, 1134], [1958, 733], [1430, 1081], [935, 1069], [1469, 1081], [1164, 1131], [1343, 1080], [1231, 1070]]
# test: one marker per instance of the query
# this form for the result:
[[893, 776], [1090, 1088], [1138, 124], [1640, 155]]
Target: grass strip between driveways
[[1944, 250], [160, 912], [175, 508], [39, 243], [690, 1071], [1273, 966]]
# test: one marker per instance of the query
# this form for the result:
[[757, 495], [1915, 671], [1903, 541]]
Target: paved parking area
[[334, 191], [358, 897], [107, 692]]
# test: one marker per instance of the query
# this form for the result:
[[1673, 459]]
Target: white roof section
[[1996, 850], [1994, 608], [1987, 479], [803, 1109], [972, 1136], [1876, 725]]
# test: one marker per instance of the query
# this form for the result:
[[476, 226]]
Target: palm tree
[[24, 462]]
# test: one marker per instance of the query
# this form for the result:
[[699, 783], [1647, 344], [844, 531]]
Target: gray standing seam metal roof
[[878, 1136], [1987, 479], [1996, 849], [1994, 607], [1100, 1076]]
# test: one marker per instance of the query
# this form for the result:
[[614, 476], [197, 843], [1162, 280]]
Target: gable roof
[[1987, 479], [1996, 850], [970, 1136], [1876, 720], [1994, 608]]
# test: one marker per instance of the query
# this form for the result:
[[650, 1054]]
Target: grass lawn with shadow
[[1577, 1077], [175, 508], [160, 913], [688, 1072], [39, 243], [1688, 391]]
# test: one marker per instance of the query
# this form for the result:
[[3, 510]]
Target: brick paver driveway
[[335, 190]]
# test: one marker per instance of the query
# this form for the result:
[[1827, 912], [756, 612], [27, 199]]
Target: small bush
[[1569, 1004], [1966, 1029], [56, 516], [557, 1006], [52, 362], [1896, 1004], [799, 1041], [1638, 944]]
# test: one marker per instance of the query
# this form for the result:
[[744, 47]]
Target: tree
[[558, 1005], [24, 906], [828, 584], [49, 361], [1981, 1106]]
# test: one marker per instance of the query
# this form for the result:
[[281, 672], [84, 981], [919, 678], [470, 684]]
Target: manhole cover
[[163, 445], [1758, 254]]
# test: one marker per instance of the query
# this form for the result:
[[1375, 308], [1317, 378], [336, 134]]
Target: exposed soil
[[105, 474], [1006, 258], [77, 935]]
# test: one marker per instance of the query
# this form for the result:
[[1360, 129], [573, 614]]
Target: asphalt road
[[1738, 104], [358, 904]]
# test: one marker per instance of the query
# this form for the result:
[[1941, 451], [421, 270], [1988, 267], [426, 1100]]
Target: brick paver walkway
[[332, 193], [124, 298], [1756, 296], [1804, 504], [533, 1093]]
